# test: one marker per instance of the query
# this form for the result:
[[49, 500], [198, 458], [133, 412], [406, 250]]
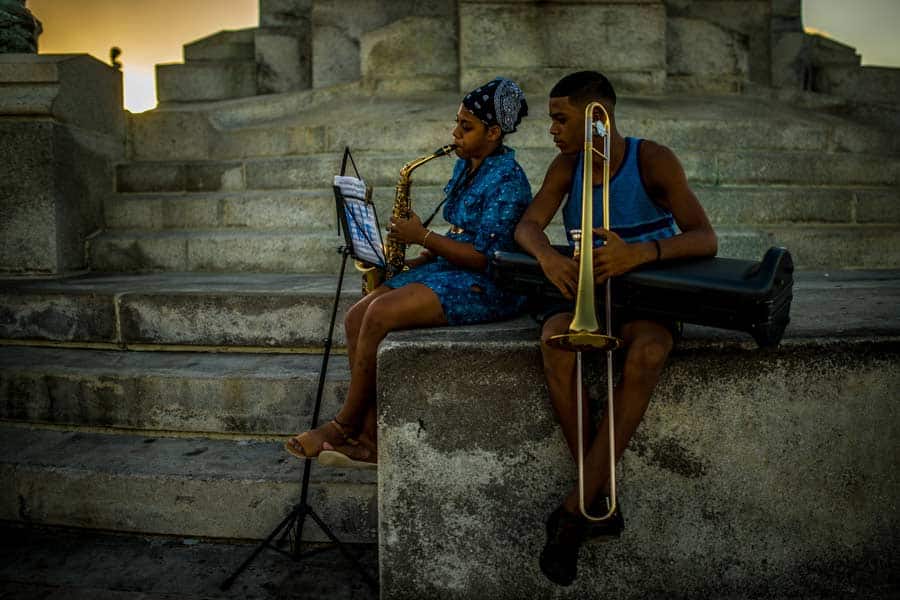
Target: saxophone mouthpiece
[[445, 150]]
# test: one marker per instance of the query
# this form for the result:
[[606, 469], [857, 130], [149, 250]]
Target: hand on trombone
[[615, 257], [562, 272]]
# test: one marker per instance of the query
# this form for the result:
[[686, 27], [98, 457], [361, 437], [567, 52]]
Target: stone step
[[195, 393], [222, 46], [425, 135], [289, 313], [205, 80], [227, 312], [195, 487], [313, 209], [817, 246], [381, 169], [280, 251], [217, 251], [721, 123]]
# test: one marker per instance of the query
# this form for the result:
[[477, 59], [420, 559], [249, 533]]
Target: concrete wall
[[754, 474], [61, 126]]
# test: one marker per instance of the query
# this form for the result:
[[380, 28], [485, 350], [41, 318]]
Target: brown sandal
[[296, 446], [356, 454]]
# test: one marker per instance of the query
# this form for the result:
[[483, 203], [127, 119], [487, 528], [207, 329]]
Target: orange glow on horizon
[[149, 32], [819, 32]]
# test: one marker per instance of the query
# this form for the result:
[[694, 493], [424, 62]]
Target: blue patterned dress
[[487, 211]]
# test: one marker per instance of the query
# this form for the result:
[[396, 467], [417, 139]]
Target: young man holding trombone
[[639, 190]]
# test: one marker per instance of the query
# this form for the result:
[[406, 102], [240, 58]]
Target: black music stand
[[359, 245]]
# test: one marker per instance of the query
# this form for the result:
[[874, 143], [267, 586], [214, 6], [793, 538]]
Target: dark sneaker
[[611, 528], [559, 558]]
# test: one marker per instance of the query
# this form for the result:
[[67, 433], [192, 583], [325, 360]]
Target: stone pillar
[[741, 26], [410, 55], [536, 43], [704, 57], [283, 44], [61, 127], [791, 64], [339, 25]]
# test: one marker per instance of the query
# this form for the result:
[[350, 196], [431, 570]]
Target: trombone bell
[[583, 341]]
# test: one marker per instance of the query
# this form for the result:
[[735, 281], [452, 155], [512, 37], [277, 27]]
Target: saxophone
[[395, 252]]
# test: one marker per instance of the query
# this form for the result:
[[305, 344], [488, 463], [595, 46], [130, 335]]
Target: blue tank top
[[634, 216]]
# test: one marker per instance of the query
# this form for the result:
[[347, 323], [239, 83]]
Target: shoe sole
[[337, 460]]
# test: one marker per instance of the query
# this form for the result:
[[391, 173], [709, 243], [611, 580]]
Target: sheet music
[[362, 224], [351, 187]]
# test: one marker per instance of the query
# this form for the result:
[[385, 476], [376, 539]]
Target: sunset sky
[[150, 32]]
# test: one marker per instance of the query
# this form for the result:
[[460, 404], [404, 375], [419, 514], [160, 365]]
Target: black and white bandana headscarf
[[499, 102]]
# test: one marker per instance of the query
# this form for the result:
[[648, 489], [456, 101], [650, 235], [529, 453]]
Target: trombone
[[584, 330]]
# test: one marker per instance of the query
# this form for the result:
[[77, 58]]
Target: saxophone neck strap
[[461, 183]]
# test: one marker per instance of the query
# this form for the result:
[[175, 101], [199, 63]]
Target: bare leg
[[367, 323], [308, 444], [411, 306], [647, 346], [559, 369], [354, 317]]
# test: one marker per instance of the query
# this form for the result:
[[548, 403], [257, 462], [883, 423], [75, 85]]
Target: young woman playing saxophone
[[449, 284]]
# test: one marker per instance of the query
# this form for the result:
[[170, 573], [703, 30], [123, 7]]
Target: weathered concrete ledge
[[754, 474], [190, 487], [192, 309], [235, 394]]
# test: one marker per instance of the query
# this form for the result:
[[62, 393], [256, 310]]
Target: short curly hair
[[583, 87]]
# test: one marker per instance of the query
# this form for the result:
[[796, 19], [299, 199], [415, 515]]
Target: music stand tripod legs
[[293, 523]]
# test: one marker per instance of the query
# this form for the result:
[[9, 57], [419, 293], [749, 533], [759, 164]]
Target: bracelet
[[425, 237], [658, 250]]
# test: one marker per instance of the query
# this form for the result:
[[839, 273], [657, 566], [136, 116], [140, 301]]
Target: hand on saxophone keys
[[406, 231]]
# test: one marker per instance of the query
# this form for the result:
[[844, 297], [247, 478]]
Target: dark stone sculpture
[[19, 30], [114, 53]]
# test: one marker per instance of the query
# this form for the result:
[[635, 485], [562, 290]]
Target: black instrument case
[[742, 295]]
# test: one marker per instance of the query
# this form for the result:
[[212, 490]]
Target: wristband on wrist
[[658, 250], [425, 237]]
